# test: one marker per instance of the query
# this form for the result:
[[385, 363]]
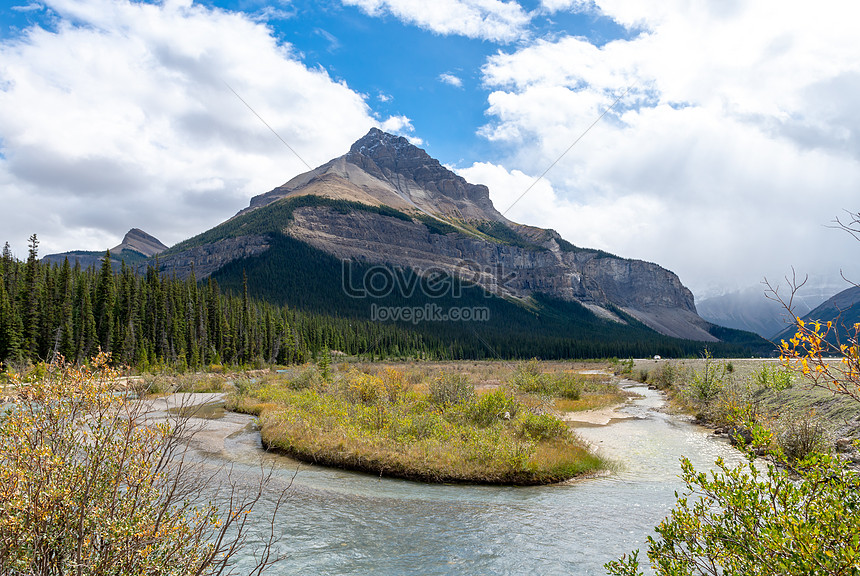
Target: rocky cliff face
[[450, 225], [205, 259], [646, 291]]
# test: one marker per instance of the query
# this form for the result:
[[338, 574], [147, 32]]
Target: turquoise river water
[[339, 523]]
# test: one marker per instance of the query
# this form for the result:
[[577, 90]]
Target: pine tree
[[64, 314]]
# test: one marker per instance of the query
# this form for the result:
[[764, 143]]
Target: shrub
[[309, 377], [746, 520], [774, 377], [664, 376], [622, 367], [706, 384], [497, 405], [448, 389], [801, 436], [529, 378], [89, 486], [541, 426], [567, 386], [365, 388]]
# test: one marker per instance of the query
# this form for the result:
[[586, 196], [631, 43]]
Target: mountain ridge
[[387, 202], [842, 309], [136, 246]]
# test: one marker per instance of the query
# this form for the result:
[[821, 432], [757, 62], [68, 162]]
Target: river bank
[[732, 396], [346, 523]]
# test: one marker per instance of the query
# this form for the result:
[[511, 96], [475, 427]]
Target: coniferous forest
[[150, 320]]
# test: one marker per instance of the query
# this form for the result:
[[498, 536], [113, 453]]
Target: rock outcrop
[[644, 290], [205, 259], [383, 169]]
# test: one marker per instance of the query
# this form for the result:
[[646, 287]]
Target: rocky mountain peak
[[396, 160], [139, 241], [382, 168], [381, 146]]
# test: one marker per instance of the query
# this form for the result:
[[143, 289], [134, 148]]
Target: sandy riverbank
[[210, 425]]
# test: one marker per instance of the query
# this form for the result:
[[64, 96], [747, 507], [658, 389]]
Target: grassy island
[[431, 425]]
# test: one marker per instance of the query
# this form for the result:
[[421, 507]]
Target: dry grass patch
[[418, 425]]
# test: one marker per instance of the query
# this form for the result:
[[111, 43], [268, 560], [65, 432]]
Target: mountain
[[135, 247], [842, 309], [379, 225], [136, 240], [383, 169], [751, 310]]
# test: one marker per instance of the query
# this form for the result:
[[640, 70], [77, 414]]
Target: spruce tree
[[29, 298], [103, 307]]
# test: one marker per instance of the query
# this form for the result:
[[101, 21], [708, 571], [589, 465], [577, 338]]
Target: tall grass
[[388, 422]]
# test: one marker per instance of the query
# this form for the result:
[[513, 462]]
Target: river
[[337, 523]]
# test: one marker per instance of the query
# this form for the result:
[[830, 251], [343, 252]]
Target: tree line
[[150, 319], [293, 311]]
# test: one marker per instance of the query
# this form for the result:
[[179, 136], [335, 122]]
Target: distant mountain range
[[750, 309], [387, 226], [137, 246], [842, 309]]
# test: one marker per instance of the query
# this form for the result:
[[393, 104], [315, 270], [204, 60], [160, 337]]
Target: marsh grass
[[420, 424]]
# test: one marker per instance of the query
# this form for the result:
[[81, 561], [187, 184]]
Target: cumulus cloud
[[402, 126], [451, 80], [122, 117], [736, 144], [494, 20]]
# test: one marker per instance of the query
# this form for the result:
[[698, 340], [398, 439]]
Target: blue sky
[[737, 143]]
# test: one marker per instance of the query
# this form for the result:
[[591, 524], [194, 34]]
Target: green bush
[[706, 384], [309, 377], [567, 386], [497, 405], [664, 376], [746, 520], [541, 426], [91, 485], [774, 377], [448, 389], [801, 436], [529, 378]]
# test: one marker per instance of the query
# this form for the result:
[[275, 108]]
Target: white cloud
[[494, 20], [122, 118], [31, 7], [738, 142], [574, 5], [402, 126], [451, 80], [525, 199]]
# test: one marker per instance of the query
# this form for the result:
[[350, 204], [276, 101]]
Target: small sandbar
[[209, 424], [599, 417]]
